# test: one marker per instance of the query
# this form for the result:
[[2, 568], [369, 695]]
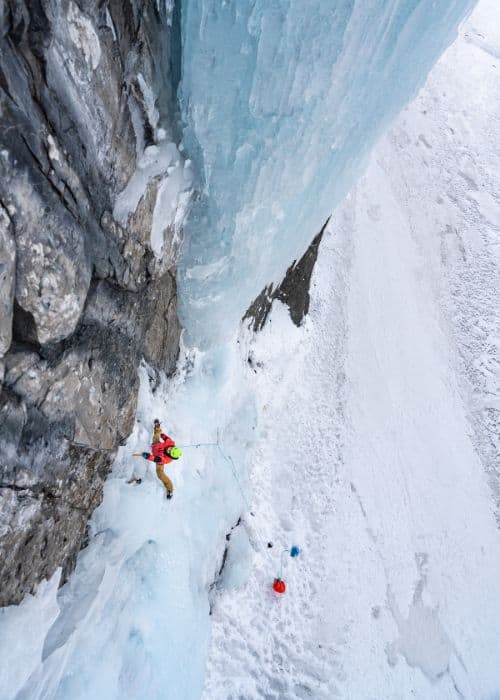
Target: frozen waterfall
[[281, 102]]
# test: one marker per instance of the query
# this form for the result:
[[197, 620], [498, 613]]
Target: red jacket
[[158, 453]]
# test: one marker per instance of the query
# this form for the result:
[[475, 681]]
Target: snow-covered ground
[[378, 426]]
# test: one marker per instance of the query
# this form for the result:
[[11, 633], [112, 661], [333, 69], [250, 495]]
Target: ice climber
[[163, 451]]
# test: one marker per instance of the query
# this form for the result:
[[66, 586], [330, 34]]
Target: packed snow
[[366, 437]]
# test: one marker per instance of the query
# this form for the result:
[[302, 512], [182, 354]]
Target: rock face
[[292, 291], [83, 297]]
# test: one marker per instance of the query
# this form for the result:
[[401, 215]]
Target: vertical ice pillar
[[281, 101]]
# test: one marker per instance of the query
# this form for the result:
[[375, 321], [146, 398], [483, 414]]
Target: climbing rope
[[228, 459], [232, 467], [293, 552], [279, 585], [199, 444]]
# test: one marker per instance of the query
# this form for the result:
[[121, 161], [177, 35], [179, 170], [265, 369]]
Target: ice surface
[[282, 100], [22, 630]]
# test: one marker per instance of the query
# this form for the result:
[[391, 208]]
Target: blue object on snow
[[295, 551]]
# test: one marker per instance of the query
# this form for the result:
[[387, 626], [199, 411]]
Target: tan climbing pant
[[164, 478]]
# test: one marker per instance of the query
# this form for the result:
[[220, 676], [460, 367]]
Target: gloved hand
[[145, 455]]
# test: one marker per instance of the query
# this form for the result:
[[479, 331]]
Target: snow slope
[[378, 426]]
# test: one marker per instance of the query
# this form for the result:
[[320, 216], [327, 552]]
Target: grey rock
[[7, 272], [83, 298], [52, 271], [292, 291]]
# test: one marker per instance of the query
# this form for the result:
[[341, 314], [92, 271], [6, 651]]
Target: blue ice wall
[[281, 101]]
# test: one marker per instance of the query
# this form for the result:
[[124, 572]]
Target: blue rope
[[228, 459], [232, 467]]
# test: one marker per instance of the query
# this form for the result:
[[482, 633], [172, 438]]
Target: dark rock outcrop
[[83, 297], [292, 291]]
